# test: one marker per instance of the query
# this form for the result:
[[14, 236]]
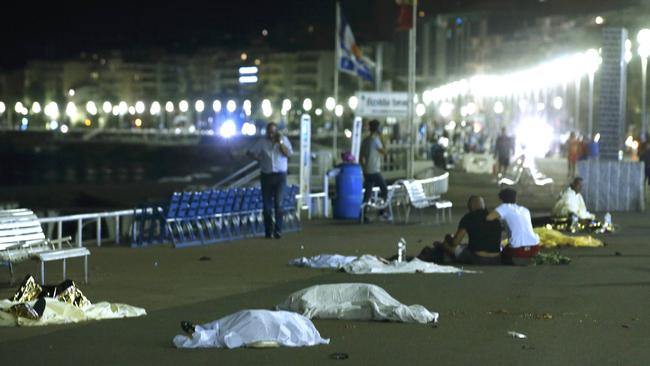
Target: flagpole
[[410, 171], [337, 56]]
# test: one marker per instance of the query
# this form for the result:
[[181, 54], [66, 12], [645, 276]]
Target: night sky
[[57, 30]]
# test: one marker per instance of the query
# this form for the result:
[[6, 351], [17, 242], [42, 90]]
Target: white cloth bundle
[[323, 261], [354, 301], [58, 312], [371, 264], [254, 328]]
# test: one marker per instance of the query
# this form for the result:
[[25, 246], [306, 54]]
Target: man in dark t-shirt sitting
[[484, 244]]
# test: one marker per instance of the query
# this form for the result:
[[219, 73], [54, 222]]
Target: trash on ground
[[517, 335]]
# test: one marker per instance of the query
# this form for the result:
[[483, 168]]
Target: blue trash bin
[[349, 192]]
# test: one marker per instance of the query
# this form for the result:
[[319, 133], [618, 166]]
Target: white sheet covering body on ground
[[253, 328], [354, 301], [57, 312], [367, 264], [323, 261]]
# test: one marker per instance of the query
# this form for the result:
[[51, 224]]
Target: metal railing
[[87, 218], [240, 177]]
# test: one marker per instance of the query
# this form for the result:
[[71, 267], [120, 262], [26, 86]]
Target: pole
[[379, 62], [411, 92], [590, 119], [644, 114], [576, 122], [337, 57]]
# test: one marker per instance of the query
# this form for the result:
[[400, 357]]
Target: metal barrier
[[89, 218]]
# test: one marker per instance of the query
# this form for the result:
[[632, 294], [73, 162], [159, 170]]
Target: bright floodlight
[[3, 107], [36, 108], [318, 111], [107, 107], [420, 109], [91, 108], [643, 37], [534, 138], [330, 104], [231, 106], [169, 107], [348, 133], [599, 20], [116, 110], [52, 110], [446, 109], [247, 107], [19, 107], [70, 110], [307, 104], [183, 106], [353, 102], [64, 129], [558, 103], [199, 106], [216, 106], [132, 110], [123, 108], [248, 129], [139, 107], [267, 109], [593, 60], [338, 110], [498, 107], [71, 92], [228, 129], [154, 110]]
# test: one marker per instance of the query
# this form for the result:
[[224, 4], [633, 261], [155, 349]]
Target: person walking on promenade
[[372, 150], [272, 152], [504, 150]]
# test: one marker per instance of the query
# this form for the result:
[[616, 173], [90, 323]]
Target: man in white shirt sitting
[[523, 242], [572, 203]]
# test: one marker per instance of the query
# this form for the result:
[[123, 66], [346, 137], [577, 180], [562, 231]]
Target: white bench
[[418, 199], [22, 238]]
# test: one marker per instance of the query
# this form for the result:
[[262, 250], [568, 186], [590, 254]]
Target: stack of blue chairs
[[210, 216]]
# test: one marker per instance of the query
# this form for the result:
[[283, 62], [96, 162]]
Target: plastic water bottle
[[608, 219], [401, 249], [574, 223]]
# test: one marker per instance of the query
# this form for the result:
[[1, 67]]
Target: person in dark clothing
[[504, 149], [484, 244]]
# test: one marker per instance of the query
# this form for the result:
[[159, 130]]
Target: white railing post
[[80, 229], [99, 231], [117, 229], [59, 229]]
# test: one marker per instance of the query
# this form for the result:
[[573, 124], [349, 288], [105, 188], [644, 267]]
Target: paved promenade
[[593, 311]]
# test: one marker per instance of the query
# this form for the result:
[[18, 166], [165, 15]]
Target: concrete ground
[[593, 311]]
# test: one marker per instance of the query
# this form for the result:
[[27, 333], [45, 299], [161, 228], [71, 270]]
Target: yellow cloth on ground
[[550, 238], [57, 312]]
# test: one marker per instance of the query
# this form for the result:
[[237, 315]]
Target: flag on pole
[[405, 17], [351, 60]]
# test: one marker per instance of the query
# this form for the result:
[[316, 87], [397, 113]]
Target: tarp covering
[[323, 261], [58, 312], [367, 264], [550, 238], [354, 301], [254, 328]]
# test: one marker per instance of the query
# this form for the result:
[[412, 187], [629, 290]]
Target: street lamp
[[183, 106], [644, 51], [169, 107], [307, 104], [593, 61], [498, 107], [247, 107], [52, 110], [107, 107], [3, 107], [71, 110], [267, 109], [420, 110], [231, 106], [36, 108], [216, 106], [353, 102], [91, 108], [338, 110], [139, 107], [154, 110], [199, 106], [330, 104]]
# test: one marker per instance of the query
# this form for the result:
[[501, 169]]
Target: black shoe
[[277, 235], [187, 327], [39, 306]]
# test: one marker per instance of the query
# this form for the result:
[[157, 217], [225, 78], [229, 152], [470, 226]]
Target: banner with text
[[305, 161], [382, 104], [356, 137]]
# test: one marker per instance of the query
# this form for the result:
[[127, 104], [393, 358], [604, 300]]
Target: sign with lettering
[[382, 104]]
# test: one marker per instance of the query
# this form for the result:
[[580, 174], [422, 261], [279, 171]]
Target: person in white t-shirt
[[572, 203], [523, 242]]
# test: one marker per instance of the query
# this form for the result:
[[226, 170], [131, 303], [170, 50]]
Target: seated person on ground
[[484, 245], [523, 242], [571, 203]]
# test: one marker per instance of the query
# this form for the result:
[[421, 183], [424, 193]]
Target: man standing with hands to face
[[272, 152]]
